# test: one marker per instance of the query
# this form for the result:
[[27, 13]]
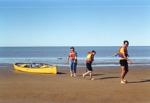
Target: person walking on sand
[[72, 59], [89, 60], [123, 54]]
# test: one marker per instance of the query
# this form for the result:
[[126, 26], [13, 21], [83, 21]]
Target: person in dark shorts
[[89, 60], [123, 54]]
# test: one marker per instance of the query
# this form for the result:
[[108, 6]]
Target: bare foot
[[123, 82], [91, 78], [83, 76]]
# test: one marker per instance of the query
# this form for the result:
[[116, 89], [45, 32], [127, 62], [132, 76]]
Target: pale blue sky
[[74, 22]]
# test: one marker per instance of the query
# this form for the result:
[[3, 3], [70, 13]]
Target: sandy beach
[[21, 87]]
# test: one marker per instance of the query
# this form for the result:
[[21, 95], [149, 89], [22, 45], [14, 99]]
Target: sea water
[[139, 55]]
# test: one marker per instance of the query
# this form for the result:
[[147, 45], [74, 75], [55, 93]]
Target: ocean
[[139, 55]]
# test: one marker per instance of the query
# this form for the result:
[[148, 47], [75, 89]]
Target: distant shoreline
[[10, 66], [71, 46]]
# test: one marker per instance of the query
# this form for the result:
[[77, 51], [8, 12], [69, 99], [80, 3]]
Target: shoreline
[[60, 61], [10, 66]]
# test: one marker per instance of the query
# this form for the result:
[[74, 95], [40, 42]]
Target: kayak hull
[[35, 68]]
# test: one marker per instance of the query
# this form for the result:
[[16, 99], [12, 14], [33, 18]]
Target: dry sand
[[21, 87]]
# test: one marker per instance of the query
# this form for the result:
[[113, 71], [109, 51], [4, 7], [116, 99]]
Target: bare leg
[[126, 70], [91, 78], [74, 68], [85, 74], [71, 73], [74, 74], [123, 73], [90, 74]]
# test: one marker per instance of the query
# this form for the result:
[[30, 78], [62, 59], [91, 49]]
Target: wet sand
[[21, 87]]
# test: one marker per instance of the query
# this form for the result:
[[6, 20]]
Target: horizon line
[[71, 46]]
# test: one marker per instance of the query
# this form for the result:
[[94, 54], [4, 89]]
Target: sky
[[74, 22]]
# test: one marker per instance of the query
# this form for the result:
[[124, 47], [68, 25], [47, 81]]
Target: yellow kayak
[[35, 68]]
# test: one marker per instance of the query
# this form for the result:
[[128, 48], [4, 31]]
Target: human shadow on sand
[[97, 74], [141, 81], [92, 74], [106, 78], [60, 73]]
